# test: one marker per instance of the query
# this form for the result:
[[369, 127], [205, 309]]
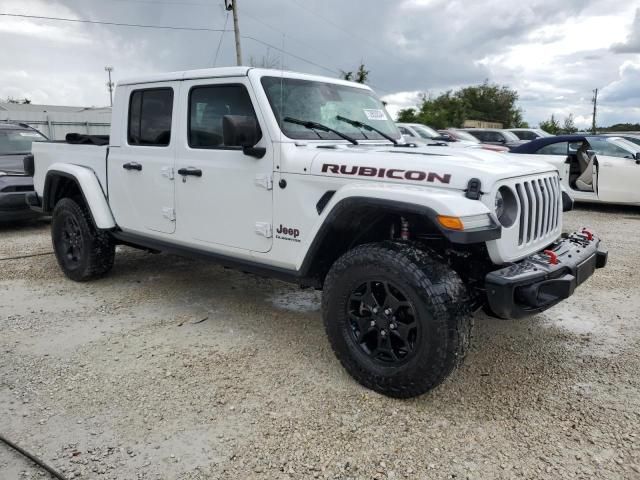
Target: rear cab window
[[150, 114]]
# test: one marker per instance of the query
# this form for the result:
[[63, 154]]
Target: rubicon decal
[[394, 173], [287, 233]]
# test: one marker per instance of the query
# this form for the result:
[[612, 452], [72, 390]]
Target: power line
[[341, 28], [169, 27], [97, 22], [275, 29], [226, 19], [182, 28]]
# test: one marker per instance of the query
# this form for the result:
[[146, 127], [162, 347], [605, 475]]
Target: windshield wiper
[[318, 126], [358, 124]]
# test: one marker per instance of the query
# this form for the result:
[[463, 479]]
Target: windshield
[[510, 136], [425, 132], [629, 145], [633, 139], [612, 146], [542, 133], [323, 102], [460, 135], [14, 141]]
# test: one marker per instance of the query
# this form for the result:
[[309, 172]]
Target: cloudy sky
[[553, 52]]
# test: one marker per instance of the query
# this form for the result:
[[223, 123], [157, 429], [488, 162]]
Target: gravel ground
[[174, 369]]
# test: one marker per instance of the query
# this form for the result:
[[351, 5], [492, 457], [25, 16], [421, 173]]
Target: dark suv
[[15, 144], [495, 136]]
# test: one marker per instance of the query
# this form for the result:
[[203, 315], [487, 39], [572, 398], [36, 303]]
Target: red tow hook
[[553, 258], [588, 234]]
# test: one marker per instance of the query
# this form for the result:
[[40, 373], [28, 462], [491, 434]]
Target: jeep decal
[[287, 233], [395, 173]]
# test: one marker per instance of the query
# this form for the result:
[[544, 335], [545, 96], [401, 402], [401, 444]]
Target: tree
[[361, 75], [551, 126], [569, 125], [407, 115], [489, 102]]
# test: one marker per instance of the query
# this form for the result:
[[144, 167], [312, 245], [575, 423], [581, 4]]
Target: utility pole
[[110, 84], [233, 6], [595, 109]]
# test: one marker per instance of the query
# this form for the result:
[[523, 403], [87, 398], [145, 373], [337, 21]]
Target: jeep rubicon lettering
[[394, 173], [406, 242]]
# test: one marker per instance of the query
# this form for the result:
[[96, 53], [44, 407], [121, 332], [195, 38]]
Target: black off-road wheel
[[83, 252], [398, 318]]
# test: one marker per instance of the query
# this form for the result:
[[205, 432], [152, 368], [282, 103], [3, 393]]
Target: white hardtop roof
[[222, 72]]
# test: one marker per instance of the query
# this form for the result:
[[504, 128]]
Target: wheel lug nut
[[393, 326], [387, 311], [373, 323], [383, 333], [375, 309]]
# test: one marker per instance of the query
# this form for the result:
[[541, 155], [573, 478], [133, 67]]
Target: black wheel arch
[[356, 220], [58, 185]]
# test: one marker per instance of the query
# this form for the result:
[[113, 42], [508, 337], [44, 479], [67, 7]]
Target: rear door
[[141, 185], [228, 204]]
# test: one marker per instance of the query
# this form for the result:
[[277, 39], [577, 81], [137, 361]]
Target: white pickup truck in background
[[305, 179]]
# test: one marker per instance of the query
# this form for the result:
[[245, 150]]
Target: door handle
[[132, 166], [194, 172]]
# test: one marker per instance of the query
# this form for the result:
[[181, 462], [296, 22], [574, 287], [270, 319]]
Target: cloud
[[626, 90], [632, 42], [554, 53]]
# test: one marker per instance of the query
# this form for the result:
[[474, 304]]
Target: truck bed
[[49, 153]]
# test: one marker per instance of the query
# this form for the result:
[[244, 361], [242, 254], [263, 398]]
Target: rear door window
[[150, 114]]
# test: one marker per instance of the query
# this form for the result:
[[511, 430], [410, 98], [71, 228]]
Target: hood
[[12, 163], [430, 166]]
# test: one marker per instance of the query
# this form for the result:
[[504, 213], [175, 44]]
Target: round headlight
[[506, 206]]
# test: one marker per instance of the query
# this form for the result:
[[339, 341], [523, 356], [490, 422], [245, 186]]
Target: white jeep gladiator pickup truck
[[306, 179]]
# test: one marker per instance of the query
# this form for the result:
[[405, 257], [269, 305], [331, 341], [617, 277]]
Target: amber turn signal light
[[452, 223]]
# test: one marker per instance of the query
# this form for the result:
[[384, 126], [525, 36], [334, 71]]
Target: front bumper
[[542, 280], [13, 192]]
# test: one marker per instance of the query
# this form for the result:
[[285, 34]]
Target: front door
[[140, 170], [223, 197], [618, 179]]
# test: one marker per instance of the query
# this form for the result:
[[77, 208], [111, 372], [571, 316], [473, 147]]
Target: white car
[[305, 179], [593, 168], [424, 135]]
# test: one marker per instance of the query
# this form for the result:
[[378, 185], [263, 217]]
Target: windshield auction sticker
[[374, 114]]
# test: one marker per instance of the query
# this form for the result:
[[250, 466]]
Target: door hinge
[[264, 229], [264, 180], [169, 213], [168, 172]]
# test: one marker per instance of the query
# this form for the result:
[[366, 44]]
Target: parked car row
[[593, 168], [424, 135]]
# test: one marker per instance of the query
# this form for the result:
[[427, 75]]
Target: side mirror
[[242, 131], [443, 138], [502, 140], [638, 158]]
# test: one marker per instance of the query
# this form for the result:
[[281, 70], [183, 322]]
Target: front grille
[[540, 204]]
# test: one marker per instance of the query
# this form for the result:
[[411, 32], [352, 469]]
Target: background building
[[55, 121]]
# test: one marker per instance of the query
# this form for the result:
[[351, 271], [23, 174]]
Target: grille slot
[[539, 204]]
